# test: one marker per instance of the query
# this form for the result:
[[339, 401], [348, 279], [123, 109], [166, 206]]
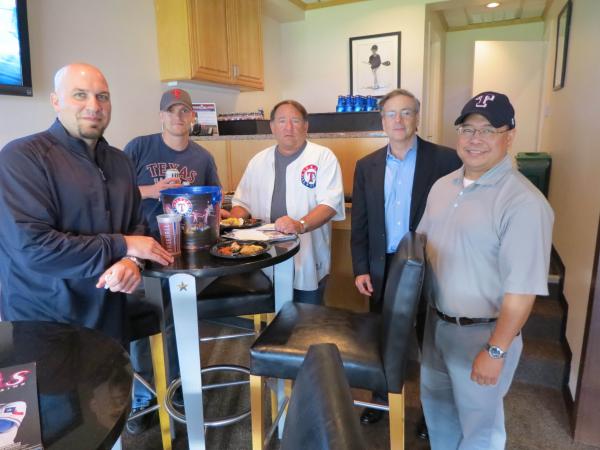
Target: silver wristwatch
[[138, 262], [494, 351], [303, 223]]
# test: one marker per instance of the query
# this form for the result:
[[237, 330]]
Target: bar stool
[[374, 348], [245, 294]]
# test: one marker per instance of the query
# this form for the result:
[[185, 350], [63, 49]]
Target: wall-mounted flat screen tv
[[15, 64]]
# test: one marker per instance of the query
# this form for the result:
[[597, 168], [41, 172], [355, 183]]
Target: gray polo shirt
[[490, 238]]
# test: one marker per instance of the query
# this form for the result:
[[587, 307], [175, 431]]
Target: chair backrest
[[400, 302], [321, 414]]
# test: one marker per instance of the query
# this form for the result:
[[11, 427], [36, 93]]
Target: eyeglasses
[[484, 133], [405, 113]]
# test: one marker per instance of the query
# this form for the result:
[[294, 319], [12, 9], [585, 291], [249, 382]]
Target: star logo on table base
[[182, 286]]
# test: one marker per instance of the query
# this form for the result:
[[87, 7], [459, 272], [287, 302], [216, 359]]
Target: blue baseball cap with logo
[[494, 106]]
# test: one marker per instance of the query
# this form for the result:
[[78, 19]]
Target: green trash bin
[[536, 167]]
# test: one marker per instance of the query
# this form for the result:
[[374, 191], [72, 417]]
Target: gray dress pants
[[460, 413]]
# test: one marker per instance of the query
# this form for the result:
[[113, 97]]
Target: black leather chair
[[145, 321], [245, 294], [321, 412], [374, 348], [237, 295]]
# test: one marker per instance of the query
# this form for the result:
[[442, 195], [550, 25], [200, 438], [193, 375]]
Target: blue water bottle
[[349, 104], [360, 104], [341, 104], [374, 104], [370, 103]]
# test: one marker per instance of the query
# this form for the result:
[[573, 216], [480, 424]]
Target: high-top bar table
[[189, 274], [83, 377]]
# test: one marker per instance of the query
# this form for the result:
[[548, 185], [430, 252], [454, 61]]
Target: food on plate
[[232, 222], [250, 249], [235, 249]]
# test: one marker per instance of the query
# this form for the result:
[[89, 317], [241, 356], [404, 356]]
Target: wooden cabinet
[[218, 41]]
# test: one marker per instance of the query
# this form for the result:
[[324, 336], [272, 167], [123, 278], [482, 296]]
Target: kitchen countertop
[[338, 135]]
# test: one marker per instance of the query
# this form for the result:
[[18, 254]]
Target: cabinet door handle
[[236, 71]]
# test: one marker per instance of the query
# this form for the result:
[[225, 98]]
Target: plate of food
[[239, 249], [232, 223]]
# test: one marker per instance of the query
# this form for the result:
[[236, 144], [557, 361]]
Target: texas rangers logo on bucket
[[182, 206], [309, 176]]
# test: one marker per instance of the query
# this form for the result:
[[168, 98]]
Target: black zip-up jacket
[[62, 221]]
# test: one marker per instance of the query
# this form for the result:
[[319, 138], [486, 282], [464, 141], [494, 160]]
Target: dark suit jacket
[[368, 239]]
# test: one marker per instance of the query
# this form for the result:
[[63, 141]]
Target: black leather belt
[[463, 320]]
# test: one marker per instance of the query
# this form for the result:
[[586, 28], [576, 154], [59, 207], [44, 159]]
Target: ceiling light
[[492, 5]]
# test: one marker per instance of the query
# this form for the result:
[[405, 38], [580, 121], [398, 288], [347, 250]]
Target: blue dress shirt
[[399, 176]]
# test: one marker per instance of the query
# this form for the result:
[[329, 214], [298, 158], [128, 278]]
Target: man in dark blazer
[[389, 195]]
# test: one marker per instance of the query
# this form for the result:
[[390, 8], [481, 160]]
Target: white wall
[[120, 38], [569, 133], [315, 52], [458, 80], [497, 67]]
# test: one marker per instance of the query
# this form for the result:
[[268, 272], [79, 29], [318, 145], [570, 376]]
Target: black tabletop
[[203, 264], [83, 380]]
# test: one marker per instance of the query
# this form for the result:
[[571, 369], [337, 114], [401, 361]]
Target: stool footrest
[[218, 422]]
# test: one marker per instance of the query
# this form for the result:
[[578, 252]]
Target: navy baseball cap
[[494, 106], [175, 97]]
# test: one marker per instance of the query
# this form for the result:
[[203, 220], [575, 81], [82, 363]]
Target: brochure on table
[[264, 233], [19, 410]]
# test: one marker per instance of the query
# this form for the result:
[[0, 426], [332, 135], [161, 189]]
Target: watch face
[[495, 352]]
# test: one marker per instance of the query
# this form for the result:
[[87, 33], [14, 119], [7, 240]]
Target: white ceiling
[[463, 13]]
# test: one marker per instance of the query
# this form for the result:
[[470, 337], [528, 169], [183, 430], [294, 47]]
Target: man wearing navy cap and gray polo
[[489, 234]]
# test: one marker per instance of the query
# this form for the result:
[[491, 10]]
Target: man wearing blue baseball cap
[[489, 234], [153, 155]]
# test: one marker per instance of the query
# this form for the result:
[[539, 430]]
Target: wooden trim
[[587, 398], [325, 4], [499, 23]]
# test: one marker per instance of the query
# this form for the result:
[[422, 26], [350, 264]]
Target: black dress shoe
[[370, 415], [422, 432]]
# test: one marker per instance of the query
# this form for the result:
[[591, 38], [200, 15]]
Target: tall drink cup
[[169, 226]]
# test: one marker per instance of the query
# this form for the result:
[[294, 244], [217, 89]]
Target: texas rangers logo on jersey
[[309, 176]]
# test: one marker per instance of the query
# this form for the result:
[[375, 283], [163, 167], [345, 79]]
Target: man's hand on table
[[285, 224], [145, 247]]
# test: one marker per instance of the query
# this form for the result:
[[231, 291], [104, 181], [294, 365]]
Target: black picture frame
[[563, 26], [375, 64]]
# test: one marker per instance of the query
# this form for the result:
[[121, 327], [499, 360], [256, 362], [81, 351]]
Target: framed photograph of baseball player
[[374, 64], [563, 25]]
